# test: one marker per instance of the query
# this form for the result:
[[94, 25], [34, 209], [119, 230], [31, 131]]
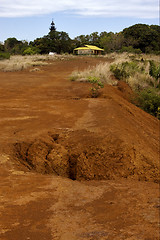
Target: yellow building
[[88, 50]]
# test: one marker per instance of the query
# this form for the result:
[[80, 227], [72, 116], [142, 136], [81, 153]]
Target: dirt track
[[50, 125]]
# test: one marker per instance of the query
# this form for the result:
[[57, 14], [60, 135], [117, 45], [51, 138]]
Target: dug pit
[[83, 155]]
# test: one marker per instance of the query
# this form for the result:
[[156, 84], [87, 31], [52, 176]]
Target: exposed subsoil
[[54, 138]]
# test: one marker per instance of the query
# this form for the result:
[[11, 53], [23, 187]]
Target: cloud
[[103, 8]]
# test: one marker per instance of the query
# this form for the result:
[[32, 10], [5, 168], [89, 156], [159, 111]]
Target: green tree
[[55, 41], [10, 43], [105, 41], [111, 42], [2, 47], [41, 44], [144, 37], [81, 40], [30, 51], [3, 54], [13, 46], [94, 39]]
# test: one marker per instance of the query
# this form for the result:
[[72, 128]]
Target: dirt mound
[[103, 138], [82, 155], [126, 91], [49, 126]]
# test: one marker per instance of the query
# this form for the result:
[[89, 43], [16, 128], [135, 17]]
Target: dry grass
[[140, 81], [153, 57], [119, 57], [122, 57], [103, 73], [102, 70], [18, 63]]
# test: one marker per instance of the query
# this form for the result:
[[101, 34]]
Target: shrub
[[73, 77], [30, 51], [130, 49], [139, 74], [124, 70], [154, 71], [149, 101], [96, 85], [143, 76], [4, 55], [118, 71]]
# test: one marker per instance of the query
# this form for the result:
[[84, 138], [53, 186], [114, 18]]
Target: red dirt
[[50, 125]]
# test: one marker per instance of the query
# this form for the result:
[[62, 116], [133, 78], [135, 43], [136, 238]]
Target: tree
[[55, 41], [60, 42], [143, 36], [94, 39], [1, 47], [137, 38], [13, 46], [41, 44], [10, 43], [81, 40], [106, 41]]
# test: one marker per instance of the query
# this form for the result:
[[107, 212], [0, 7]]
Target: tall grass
[[132, 68], [18, 63], [101, 72], [140, 71]]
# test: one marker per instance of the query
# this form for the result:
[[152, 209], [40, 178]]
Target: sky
[[31, 19]]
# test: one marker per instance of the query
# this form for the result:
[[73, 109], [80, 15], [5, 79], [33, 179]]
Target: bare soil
[[73, 167]]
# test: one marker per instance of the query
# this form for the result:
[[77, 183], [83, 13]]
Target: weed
[[138, 74], [149, 101], [73, 77], [96, 85], [154, 71], [124, 70]]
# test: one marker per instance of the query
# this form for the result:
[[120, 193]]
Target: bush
[[73, 77], [96, 85], [154, 71], [119, 71], [143, 77], [130, 49], [149, 101], [124, 70], [4, 55], [30, 51]]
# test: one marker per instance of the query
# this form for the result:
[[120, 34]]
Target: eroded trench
[[82, 155], [47, 156]]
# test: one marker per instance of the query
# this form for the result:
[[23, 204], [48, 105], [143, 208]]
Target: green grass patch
[[4, 55]]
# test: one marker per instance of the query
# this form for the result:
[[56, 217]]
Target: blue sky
[[30, 19]]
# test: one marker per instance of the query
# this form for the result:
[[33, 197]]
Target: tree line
[[139, 38]]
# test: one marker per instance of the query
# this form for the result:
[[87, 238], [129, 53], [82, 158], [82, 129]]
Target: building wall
[[85, 51], [88, 52]]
